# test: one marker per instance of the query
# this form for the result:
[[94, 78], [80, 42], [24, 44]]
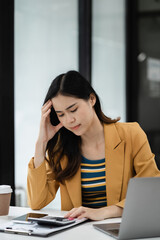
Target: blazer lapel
[[73, 186], [114, 154]]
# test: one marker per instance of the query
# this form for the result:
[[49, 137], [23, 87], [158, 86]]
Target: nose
[[70, 119]]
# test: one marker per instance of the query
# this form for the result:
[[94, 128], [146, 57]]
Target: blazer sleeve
[[143, 159], [41, 185]]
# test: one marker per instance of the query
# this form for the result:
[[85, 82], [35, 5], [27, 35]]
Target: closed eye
[[74, 110], [61, 115]]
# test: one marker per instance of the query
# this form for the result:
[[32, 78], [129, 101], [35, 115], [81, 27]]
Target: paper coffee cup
[[5, 198]]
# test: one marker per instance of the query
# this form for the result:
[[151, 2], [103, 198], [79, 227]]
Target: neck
[[95, 134]]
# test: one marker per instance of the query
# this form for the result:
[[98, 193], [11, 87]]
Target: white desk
[[84, 231]]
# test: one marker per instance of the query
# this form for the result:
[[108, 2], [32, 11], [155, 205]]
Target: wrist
[[113, 211], [40, 153], [41, 145]]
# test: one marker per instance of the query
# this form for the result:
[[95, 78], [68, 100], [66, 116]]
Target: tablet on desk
[[25, 218]]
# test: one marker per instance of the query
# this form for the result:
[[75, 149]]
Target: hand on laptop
[[95, 214]]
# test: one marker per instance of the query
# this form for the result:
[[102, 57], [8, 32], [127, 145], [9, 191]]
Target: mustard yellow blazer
[[127, 155]]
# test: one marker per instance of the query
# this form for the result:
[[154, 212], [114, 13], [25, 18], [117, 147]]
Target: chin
[[76, 133], [79, 133]]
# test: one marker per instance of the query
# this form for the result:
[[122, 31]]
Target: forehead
[[61, 102]]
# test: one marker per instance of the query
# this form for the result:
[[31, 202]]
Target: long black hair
[[65, 143]]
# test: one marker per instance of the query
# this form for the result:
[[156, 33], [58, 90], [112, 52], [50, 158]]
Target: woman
[[88, 155]]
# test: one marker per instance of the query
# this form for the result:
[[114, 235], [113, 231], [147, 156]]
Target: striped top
[[93, 183]]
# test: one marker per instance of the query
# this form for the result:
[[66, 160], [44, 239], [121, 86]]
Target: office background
[[113, 43]]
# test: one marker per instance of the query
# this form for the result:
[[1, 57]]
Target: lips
[[75, 127]]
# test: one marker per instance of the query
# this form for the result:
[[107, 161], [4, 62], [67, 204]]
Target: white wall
[[46, 35]]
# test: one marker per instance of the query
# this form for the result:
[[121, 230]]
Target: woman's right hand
[[46, 132]]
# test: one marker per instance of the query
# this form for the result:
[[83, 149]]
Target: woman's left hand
[[84, 212], [95, 214]]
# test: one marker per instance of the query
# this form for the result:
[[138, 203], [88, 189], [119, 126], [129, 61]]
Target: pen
[[18, 231], [22, 222]]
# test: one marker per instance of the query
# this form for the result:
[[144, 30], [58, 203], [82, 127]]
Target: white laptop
[[141, 214]]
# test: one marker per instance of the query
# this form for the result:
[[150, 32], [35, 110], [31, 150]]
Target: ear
[[92, 99]]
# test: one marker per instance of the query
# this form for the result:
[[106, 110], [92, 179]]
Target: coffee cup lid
[[5, 189]]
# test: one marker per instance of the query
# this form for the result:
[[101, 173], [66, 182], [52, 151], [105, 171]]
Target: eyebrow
[[67, 108]]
